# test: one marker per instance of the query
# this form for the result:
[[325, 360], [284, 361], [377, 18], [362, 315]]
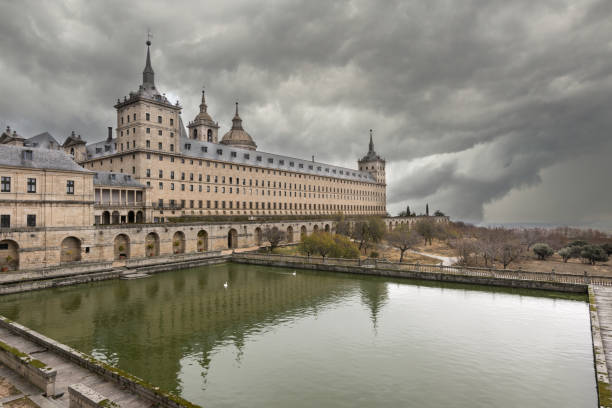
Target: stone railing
[[509, 274]]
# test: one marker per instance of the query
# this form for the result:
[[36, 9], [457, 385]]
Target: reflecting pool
[[319, 339]]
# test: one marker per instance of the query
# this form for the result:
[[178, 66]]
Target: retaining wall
[[28, 367], [110, 373], [430, 276]]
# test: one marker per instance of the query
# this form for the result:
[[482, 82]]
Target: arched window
[[195, 133], [210, 135]]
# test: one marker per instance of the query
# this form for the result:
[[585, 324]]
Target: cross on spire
[[148, 76]]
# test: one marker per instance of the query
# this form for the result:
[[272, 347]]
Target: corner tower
[[203, 126], [373, 163], [146, 119]]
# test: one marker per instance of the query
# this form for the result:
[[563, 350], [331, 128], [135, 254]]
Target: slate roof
[[107, 178], [44, 141], [42, 158]]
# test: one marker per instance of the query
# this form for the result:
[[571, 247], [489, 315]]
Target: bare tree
[[403, 239], [274, 236]]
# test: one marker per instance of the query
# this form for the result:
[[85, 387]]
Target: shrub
[[566, 253], [542, 251], [593, 253], [344, 248], [607, 247], [374, 254]]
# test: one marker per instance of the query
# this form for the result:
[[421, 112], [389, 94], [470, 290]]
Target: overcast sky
[[489, 110]]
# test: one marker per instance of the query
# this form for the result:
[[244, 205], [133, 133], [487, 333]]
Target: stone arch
[[210, 135], [232, 239], [258, 236], [9, 255], [327, 228], [106, 217], [178, 242], [131, 217], [195, 133], [70, 250], [202, 241], [152, 244], [315, 228], [139, 217], [115, 217], [122, 246], [303, 232], [289, 234]]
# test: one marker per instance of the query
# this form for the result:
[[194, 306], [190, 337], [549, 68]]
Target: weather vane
[[149, 36]]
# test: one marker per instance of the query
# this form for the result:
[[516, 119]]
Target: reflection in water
[[322, 339]]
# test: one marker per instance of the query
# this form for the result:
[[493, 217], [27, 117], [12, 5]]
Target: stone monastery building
[[189, 171], [74, 202]]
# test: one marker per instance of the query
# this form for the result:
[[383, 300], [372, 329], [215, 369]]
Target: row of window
[[5, 185], [255, 205], [5, 220], [147, 118], [231, 166]]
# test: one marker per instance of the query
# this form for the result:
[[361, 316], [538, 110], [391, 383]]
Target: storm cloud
[[471, 102]]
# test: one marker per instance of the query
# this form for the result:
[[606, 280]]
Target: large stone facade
[[192, 173]]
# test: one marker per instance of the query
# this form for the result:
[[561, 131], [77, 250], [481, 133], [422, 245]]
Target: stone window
[[270, 160], [182, 187], [70, 187], [148, 172], [161, 185], [148, 130], [258, 158], [148, 143], [234, 154], [171, 186], [31, 220], [5, 221], [148, 117], [159, 119], [159, 145], [159, 133], [204, 150], [171, 147], [219, 151], [31, 185], [171, 122], [27, 155], [188, 146]]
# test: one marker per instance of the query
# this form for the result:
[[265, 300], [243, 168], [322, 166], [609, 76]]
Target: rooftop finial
[[148, 76], [203, 105], [236, 108], [371, 142]]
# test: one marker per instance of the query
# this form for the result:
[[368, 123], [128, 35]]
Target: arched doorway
[[315, 228], [9, 255], [232, 239], [303, 232], [258, 236], [289, 234], [70, 250], [115, 217], [131, 217], [106, 217], [139, 217], [327, 229], [122, 246], [152, 244], [178, 242], [202, 241]]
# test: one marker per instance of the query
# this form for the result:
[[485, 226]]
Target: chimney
[[110, 134]]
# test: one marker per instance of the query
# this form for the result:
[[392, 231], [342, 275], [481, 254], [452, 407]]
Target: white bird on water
[[225, 285], [293, 273]]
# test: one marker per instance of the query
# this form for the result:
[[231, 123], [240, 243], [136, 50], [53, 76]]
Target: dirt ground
[[24, 402], [393, 255], [574, 266], [6, 388], [437, 247]]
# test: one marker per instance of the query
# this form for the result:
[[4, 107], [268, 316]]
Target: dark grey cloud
[[470, 101]]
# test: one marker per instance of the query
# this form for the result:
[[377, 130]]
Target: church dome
[[237, 136]]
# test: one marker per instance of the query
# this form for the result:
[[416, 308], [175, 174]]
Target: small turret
[[203, 126]]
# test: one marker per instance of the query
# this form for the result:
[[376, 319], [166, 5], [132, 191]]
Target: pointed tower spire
[[237, 120], [371, 149], [203, 106], [148, 76]]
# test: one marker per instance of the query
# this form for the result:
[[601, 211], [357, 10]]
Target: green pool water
[[319, 339]]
